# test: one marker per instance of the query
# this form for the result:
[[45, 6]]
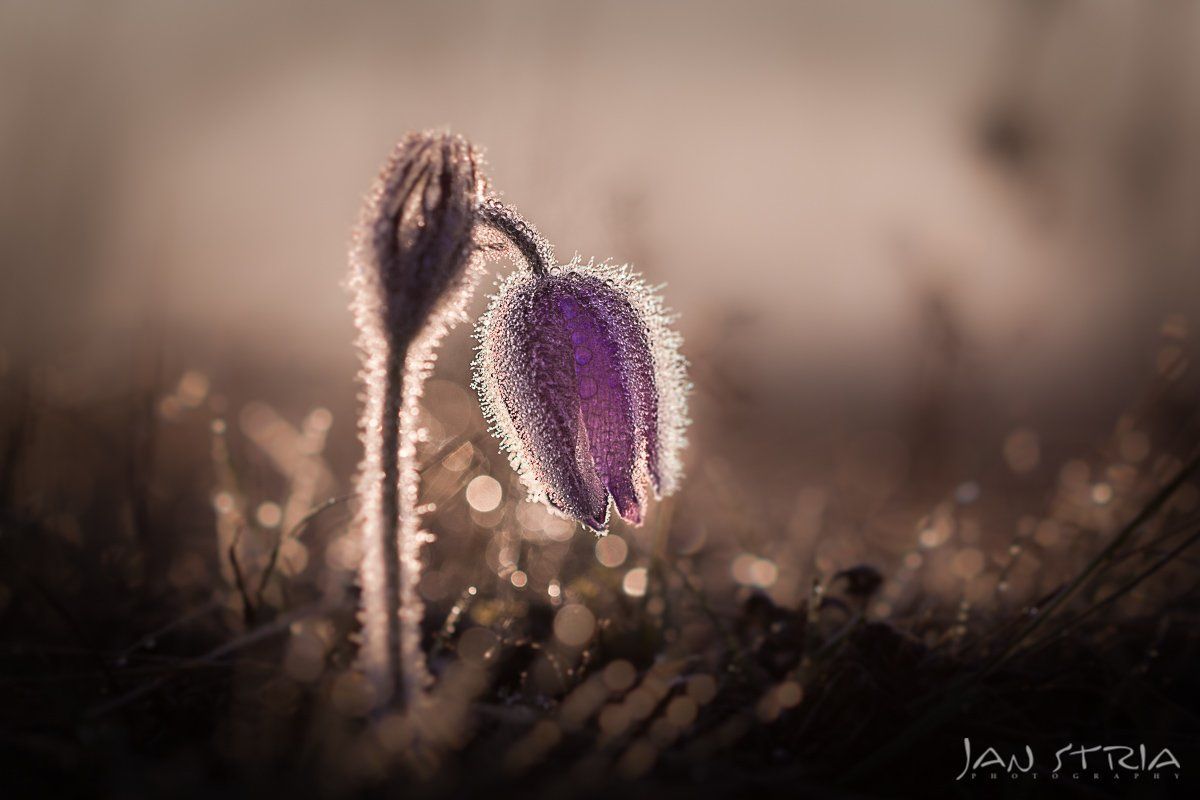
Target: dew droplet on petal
[[582, 356], [578, 337], [587, 387]]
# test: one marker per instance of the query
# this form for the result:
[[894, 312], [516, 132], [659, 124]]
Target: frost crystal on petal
[[581, 377]]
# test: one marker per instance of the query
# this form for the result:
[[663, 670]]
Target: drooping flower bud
[[582, 379]]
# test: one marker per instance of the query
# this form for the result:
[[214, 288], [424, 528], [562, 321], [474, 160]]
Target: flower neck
[[537, 252]]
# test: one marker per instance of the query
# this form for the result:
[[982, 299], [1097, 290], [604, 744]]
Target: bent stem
[[517, 232]]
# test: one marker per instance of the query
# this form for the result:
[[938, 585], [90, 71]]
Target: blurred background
[[916, 228], [936, 266], [831, 190]]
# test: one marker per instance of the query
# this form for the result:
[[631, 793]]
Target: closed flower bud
[[415, 240]]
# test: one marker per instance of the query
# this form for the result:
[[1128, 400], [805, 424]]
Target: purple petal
[[603, 400], [626, 330], [614, 369], [532, 348]]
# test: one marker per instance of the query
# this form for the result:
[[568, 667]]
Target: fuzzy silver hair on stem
[[413, 262], [578, 371]]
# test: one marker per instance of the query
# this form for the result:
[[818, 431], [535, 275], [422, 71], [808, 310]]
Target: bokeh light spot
[[460, 458], [789, 694], [682, 711], [619, 675], [269, 515], [611, 550], [484, 493], [635, 582], [574, 624]]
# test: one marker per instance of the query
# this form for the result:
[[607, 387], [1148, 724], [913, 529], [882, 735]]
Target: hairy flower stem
[[389, 507], [533, 248], [414, 261], [393, 673], [417, 254]]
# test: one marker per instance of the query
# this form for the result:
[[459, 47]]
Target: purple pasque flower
[[582, 379]]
